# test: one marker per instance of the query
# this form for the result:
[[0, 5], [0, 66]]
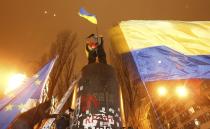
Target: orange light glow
[[14, 82], [182, 91], [162, 91]]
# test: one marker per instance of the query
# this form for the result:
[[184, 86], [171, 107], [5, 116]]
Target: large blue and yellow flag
[[168, 50], [24, 98], [90, 17]]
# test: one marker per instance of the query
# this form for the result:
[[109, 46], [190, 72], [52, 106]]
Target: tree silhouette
[[136, 104], [63, 71]]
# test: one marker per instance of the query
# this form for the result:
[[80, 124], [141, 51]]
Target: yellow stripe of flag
[[90, 17], [189, 38]]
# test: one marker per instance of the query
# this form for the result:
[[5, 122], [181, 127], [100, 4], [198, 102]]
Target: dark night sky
[[26, 32]]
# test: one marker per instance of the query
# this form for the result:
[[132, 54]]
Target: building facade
[[192, 112]]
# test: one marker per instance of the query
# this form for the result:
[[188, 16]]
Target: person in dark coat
[[63, 121], [94, 49], [33, 116]]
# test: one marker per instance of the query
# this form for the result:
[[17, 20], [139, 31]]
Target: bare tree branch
[[136, 109], [64, 47]]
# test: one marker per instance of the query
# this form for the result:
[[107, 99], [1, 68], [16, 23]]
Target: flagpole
[[64, 99], [97, 30], [47, 78]]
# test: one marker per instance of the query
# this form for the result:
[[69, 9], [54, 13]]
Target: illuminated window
[[197, 123], [191, 110]]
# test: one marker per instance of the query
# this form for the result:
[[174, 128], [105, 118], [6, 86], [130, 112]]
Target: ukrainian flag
[[90, 17], [167, 50]]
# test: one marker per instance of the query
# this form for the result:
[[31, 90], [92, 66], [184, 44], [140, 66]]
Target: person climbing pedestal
[[94, 49]]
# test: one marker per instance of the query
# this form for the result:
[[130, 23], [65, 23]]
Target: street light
[[162, 91], [181, 91]]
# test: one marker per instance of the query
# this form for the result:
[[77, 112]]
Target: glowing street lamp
[[14, 82], [162, 91], [182, 91]]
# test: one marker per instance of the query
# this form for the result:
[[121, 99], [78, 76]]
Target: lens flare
[[182, 91], [14, 82], [162, 91]]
